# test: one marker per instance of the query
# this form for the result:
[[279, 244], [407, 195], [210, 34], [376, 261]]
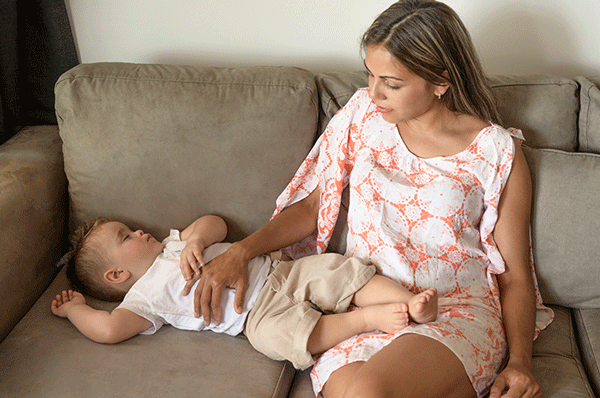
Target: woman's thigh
[[410, 366]]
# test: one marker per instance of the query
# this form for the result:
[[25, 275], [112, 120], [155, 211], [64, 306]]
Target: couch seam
[[539, 83], [565, 153], [286, 364], [584, 345], [299, 86], [587, 118], [575, 349]]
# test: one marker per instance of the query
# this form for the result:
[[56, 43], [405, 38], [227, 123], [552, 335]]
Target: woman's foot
[[423, 307]]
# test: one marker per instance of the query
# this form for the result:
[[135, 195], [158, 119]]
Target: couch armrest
[[33, 211]]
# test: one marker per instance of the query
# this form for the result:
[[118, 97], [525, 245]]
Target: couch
[[159, 145]]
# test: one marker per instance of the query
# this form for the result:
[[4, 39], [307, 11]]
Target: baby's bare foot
[[423, 307], [389, 318]]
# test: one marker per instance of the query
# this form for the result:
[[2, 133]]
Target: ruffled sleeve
[[495, 182], [328, 166]]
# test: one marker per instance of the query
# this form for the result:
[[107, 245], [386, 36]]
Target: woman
[[440, 196]]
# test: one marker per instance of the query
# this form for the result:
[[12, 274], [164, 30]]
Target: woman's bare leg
[[410, 366]]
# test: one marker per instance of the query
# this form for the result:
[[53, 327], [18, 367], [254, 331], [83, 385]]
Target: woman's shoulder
[[353, 112]]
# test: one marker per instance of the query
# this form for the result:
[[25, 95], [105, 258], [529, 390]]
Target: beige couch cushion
[[588, 328], [557, 363], [546, 108], [42, 352], [32, 219], [566, 225], [156, 146], [589, 119]]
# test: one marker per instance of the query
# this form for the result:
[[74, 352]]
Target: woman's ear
[[115, 275], [443, 87]]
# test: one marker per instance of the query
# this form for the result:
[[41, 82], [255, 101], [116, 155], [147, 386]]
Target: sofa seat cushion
[[157, 146], [588, 332], [171, 363], [566, 225], [556, 360]]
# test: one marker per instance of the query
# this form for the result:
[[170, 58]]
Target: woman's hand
[[518, 382], [230, 269]]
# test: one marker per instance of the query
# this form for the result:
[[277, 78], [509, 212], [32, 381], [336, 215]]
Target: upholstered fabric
[[556, 361], [159, 145], [566, 218], [589, 120], [588, 326], [32, 219], [171, 363]]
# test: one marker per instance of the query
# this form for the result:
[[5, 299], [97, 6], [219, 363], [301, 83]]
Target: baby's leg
[[381, 290], [332, 329], [422, 307]]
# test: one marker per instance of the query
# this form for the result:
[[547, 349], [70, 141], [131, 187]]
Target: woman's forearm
[[290, 226], [518, 311]]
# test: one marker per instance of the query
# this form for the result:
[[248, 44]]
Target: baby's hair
[[87, 264]]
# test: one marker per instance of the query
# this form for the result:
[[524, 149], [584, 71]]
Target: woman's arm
[[231, 268], [97, 325], [516, 283]]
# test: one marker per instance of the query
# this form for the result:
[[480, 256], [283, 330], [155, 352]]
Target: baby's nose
[[139, 232]]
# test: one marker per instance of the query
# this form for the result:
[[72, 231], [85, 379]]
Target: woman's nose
[[374, 90]]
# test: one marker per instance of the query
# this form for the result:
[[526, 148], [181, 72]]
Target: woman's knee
[[361, 388]]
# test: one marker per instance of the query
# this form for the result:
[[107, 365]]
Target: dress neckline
[[467, 149]]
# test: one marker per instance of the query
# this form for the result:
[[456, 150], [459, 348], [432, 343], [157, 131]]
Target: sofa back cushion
[[546, 108], [589, 119], [566, 225], [156, 146]]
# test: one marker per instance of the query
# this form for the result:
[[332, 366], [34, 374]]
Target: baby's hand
[[61, 304], [191, 259]]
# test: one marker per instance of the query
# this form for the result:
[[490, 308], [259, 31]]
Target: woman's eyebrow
[[383, 77]]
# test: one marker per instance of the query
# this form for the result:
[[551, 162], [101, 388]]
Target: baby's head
[[108, 258]]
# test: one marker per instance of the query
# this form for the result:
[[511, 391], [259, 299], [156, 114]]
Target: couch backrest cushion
[[546, 108], [566, 226], [589, 119], [156, 146]]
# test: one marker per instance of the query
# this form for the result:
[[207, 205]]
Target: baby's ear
[[115, 275]]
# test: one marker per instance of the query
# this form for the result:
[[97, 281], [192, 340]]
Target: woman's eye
[[392, 87]]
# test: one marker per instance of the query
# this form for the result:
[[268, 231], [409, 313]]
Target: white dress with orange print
[[422, 222]]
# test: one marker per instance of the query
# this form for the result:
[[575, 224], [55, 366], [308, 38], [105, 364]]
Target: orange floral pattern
[[422, 222]]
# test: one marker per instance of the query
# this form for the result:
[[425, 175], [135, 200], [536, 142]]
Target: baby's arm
[[198, 236], [100, 326]]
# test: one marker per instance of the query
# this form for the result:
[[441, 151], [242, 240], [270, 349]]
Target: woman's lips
[[381, 109]]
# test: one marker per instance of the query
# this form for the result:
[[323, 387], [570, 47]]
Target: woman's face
[[399, 94]]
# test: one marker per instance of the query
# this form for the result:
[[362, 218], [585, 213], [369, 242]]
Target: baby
[[287, 302]]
